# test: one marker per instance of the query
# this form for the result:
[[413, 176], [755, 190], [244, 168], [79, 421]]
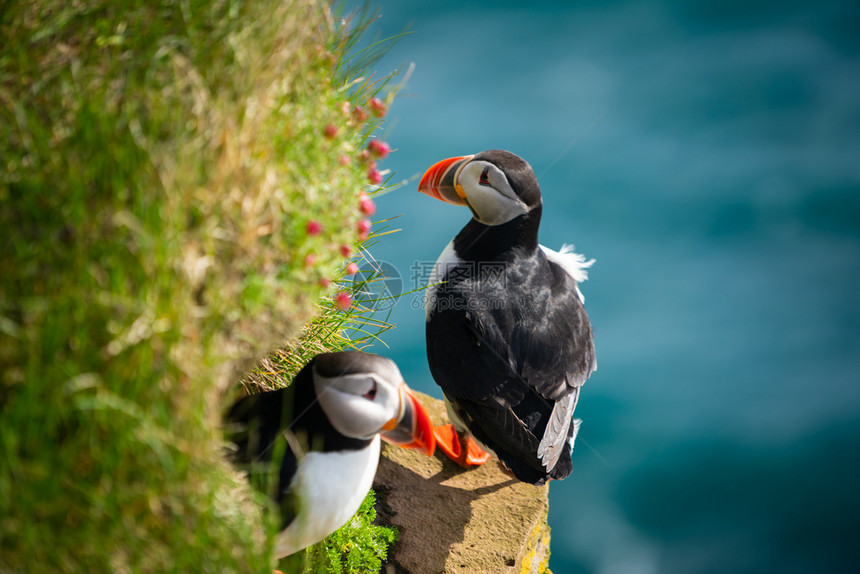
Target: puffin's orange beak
[[440, 181], [413, 429]]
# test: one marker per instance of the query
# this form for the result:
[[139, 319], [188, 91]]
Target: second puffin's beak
[[413, 427], [440, 181]]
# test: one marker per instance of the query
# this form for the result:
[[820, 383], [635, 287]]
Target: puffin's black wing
[[255, 423], [466, 364], [555, 353], [511, 358], [493, 344], [515, 440]]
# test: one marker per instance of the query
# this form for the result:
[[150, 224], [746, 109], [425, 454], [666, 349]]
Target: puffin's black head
[[496, 185], [331, 365]]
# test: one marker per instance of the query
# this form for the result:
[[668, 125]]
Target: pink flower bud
[[345, 250], [366, 205], [359, 113], [352, 269], [325, 282], [310, 259], [374, 177], [363, 228], [344, 160], [314, 227], [330, 131], [378, 148], [343, 300], [378, 107]]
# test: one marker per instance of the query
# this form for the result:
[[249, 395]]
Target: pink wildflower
[[363, 229], [365, 204], [374, 177], [359, 114], [343, 300], [378, 148], [378, 107]]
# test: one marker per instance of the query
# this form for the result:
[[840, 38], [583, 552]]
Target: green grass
[[160, 164], [331, 328], [358, 547]]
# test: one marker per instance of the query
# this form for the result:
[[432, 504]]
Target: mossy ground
[[179, 182]]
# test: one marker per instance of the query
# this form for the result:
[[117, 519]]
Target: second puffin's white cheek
[[352, 415], [349, 408]]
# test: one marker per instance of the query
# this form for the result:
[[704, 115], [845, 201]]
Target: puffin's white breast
[[447, 259], [330, 488]]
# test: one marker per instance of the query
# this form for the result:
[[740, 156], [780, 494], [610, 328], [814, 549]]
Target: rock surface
[[456, 520]]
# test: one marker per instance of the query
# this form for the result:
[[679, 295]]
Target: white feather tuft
[[574, 264]]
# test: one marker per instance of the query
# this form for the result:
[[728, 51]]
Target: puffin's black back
[[524, 329], [505, 351], [257, 421]]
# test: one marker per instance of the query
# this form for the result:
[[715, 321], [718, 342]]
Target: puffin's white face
[[360, 405], [488, 193]]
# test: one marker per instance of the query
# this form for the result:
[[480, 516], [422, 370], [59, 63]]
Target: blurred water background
[[707, 155]]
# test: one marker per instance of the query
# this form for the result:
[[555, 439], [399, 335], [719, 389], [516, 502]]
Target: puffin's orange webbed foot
[[463, 451]]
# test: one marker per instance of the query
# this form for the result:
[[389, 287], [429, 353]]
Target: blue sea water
[[707, 155]]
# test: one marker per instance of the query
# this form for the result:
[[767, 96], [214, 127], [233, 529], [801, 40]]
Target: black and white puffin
[[323, 433], [508, 338]]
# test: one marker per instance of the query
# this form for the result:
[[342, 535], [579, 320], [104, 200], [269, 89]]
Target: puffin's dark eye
[[484, 179], [371, 394]]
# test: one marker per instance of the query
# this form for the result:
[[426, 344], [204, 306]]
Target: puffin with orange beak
[[319, 439], [508, 338]]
